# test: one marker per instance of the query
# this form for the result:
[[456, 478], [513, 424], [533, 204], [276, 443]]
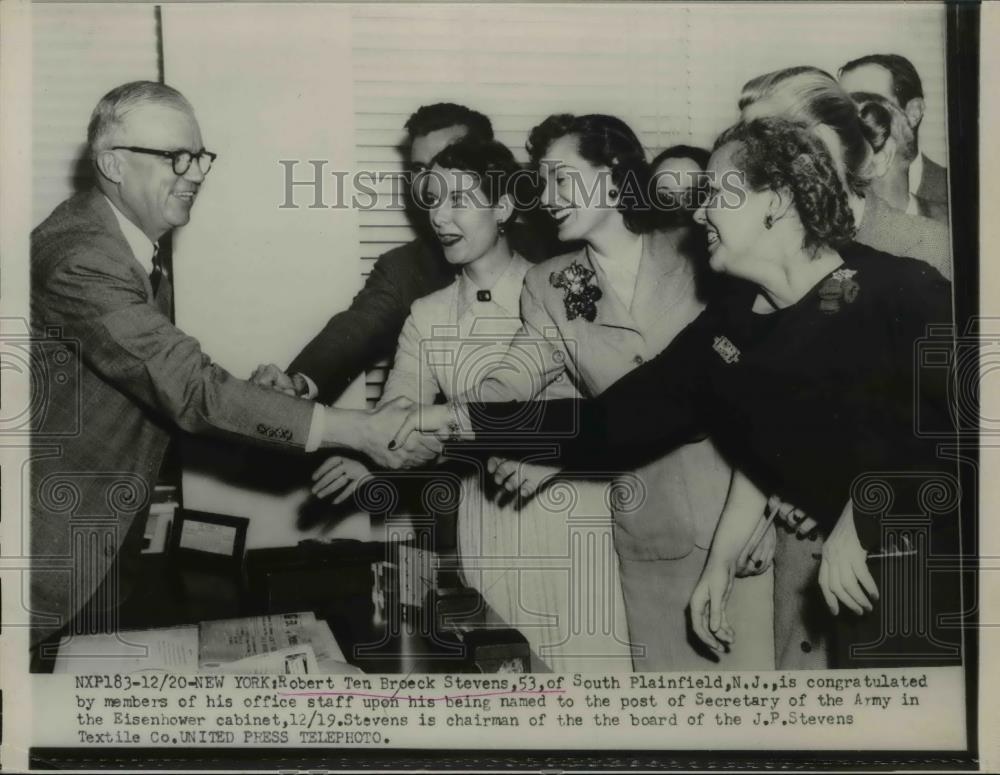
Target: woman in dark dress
[[806, 381]]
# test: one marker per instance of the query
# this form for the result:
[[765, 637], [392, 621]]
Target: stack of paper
[[170, 648], [280, 643]]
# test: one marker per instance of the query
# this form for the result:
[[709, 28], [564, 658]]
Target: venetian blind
[[672, 72], [515, 63], [738, 43], [80, 52]]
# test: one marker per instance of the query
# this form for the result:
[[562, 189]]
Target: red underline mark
[[422, 698]]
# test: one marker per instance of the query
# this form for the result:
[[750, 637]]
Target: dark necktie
[[157, 274], [159, 279]]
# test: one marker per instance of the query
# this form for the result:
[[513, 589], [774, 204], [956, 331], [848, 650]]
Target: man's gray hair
[[120, 101]]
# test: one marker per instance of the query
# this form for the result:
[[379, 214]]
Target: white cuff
[[317, 428]]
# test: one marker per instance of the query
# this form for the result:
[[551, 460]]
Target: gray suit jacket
[[680, 496], [933, 183], [892, 231], [112, 377]]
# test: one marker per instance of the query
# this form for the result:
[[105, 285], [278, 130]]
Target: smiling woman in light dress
[[545, 565]]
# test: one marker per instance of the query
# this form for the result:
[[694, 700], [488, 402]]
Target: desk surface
[[337, 589]]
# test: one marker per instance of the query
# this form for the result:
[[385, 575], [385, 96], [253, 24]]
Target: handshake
[[398, 434]]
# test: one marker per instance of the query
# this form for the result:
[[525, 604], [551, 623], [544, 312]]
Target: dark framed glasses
[[180, 160]]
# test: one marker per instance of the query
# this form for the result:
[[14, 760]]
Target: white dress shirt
[[143, 248], [915, 174]]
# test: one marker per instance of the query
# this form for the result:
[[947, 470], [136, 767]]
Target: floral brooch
[[840, 287], [580, 292]]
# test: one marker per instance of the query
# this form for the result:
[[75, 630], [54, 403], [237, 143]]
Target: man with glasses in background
[[113, 378], [896, 79]]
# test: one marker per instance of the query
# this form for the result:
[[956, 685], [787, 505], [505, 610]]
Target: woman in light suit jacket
[[593, 316], [530, 561]]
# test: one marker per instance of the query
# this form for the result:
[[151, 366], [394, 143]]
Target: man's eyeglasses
[[181, 160]]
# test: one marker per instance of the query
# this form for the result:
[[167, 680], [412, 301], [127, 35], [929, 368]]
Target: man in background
[[895, 78], [368, 330], [894, 148]]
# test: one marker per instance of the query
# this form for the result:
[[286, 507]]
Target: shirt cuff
[[317, 428], [313, 391]]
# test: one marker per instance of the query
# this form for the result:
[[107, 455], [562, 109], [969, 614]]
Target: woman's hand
[[843, 572], [757, 561], [708, 606], [522, 478], [424, 418], [338, 473], [794, 518]]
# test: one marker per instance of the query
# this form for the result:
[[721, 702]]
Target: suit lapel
[[98, 206], [664, 274], [611, 312]]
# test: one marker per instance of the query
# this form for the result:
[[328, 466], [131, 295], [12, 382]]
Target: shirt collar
[[142, 247], [505, 293], [916, 173]]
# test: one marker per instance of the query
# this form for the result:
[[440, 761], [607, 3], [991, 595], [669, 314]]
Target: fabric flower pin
[[838, 287], [580, 293]]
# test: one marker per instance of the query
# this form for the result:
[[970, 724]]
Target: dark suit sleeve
[[100, 303], [646, 413], [357, 337]]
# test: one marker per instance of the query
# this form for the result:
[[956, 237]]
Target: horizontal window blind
[[736, 43], [515, 63], [674, 73], [80, 52]]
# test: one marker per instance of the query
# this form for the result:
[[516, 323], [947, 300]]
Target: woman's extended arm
[[649, 411]]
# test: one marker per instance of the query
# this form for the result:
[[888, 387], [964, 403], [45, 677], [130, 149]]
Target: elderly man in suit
[[115, 377], [355, 338], [895, 78]]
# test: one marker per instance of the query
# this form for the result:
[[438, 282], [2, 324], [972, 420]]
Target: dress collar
[[505, 293]]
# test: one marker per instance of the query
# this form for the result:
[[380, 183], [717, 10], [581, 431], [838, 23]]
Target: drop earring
[[768, 221], [501, 229]]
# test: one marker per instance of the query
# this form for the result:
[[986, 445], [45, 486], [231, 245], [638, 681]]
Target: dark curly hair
[[441, 115], [776, 154], [905, 79], [604, 141], [875, 113], [493, 165], [699, 156]]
